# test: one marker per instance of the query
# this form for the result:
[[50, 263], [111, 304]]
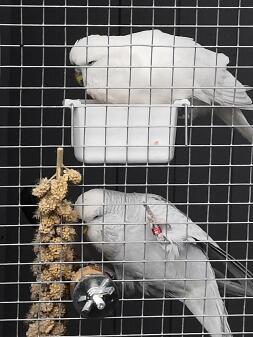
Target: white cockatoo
[[149, 241], [164, 69]]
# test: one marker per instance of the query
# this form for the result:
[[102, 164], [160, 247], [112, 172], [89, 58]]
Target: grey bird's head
[[89, 205]]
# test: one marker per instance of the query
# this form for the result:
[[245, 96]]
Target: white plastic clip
[[184, 103], [72, 103], [72, 123], [69, 102]]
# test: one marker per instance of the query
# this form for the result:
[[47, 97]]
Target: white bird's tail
[[230, 116], [236, 118], [234, 94]]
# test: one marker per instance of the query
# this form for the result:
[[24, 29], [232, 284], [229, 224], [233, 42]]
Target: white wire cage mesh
[[209, 179]]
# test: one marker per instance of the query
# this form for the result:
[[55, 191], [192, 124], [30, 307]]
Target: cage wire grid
[[210, 179]]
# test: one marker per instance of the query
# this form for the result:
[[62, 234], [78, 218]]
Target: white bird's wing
[[155, 67], [113, 84]]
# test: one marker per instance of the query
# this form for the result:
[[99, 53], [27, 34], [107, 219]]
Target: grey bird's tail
[[234, 277], [210, 310]]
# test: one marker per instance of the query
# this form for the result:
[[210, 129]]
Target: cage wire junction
[[209, 179]]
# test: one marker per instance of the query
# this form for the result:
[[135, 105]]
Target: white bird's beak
[[79, 78], [85, 230]]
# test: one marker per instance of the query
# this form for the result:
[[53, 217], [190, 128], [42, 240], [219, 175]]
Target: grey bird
[[152, 67], [148, 238]]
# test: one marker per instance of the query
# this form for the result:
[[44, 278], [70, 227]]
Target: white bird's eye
[[91, 63]]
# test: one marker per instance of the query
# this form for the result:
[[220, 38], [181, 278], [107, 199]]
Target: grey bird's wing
[[227, 269], [201, 290], [230, 273]]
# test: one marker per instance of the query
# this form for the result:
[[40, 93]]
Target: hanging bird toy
[[52, 266]]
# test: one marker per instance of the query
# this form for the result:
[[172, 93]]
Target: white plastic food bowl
[[119, 134]]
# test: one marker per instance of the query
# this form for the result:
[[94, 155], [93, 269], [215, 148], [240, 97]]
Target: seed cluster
[[53, 252]]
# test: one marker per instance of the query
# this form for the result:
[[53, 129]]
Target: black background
[[218, 177]]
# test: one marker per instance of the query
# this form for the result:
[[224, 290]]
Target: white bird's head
[[89, 205], [88, 51], [93, 48]]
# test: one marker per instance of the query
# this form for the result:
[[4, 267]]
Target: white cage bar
[[209, 178]]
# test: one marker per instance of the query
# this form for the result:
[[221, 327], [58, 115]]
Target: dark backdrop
[[211, 183]]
